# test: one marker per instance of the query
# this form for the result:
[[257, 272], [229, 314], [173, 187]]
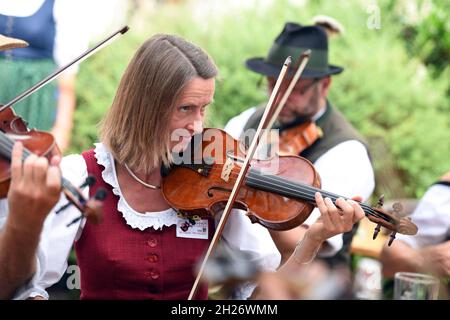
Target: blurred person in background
[[429, 250]]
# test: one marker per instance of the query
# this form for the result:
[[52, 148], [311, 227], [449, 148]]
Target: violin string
[[304, 192], [296, 189], [295, 193], [7, 144], [294, 184], [4, 144], [310, 197]]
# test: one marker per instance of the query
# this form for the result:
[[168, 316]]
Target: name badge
[[193, 229]]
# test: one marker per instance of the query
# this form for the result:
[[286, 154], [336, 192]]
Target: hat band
[[278, 54]]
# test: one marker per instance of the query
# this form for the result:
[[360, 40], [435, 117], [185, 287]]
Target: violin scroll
[[391, 221], [93, 209]]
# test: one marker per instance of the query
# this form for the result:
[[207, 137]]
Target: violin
[[12, 129], [277, 193]]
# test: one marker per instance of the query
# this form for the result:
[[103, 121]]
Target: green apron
[[39, 108]]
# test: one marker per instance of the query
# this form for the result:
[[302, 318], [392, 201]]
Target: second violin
[[13, 128]]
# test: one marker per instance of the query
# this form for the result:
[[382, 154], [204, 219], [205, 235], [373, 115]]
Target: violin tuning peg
[[90, 180], [75, 220], [377, 230], [164, 171], [64, 207], [392, 238], [100, 194], [380, 201]]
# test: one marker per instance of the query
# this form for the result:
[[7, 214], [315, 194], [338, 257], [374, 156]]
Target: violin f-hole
[[209, 193]]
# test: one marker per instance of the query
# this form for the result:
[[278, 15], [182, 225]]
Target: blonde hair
[[135, 128]]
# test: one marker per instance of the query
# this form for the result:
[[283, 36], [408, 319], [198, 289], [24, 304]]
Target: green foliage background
[[395, 87]]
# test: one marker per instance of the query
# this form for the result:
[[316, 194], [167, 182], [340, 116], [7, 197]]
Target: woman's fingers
[[338, 217], [53, 180], [323, 209], [55, 161], [35, 173], [40, 168], [357, 198], [54, 175], [28, 167], [359, 212], [334, 213]]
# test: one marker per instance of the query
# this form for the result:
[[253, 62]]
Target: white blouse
[[57, 239], [432, 216]]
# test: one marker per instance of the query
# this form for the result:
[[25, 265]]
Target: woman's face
[[189, 113]]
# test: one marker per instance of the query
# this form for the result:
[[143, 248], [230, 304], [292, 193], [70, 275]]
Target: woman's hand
[[34, 190], [334, 219]]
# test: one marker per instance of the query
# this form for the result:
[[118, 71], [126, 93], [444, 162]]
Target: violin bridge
[[227, 169]]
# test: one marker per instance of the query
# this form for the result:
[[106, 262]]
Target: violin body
[[203, 188], [38, 142]]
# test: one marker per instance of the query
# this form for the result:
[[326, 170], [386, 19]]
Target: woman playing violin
[[143, 249]]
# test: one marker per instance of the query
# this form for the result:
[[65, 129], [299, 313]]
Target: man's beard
[[312, 107]]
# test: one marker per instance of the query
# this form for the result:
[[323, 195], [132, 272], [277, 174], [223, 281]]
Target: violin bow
[[52, 76], [303, 60], [249, 156]]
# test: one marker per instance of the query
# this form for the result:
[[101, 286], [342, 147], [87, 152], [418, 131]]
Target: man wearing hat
[[340, 155], [20, 230]]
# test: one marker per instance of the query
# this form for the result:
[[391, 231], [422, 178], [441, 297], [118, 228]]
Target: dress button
[[152, 258], [154, 274], [152, 243]]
